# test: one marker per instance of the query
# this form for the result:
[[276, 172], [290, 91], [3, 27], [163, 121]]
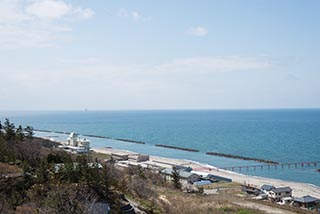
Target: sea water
[[280, 135]]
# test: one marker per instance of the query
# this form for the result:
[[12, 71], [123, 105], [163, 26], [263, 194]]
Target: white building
[[281, 192], [77, 144], [276, 194]]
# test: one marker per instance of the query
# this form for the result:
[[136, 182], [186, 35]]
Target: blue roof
[[267, 187], [218, 178], [202, 182], [282, 189], [184, 174], [307, 199]]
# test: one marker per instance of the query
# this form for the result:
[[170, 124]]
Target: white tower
[[73, 139]]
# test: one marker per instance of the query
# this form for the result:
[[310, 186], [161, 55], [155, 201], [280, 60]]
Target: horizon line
[[160, 109]]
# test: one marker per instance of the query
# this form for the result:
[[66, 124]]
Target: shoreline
[[299, 189]]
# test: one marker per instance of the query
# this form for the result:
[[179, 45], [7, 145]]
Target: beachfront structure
[[139, 157], [286, 201], [251, 190], [216, 178], [190, 177], [119, 157], [276, 194], [185, 175], [77, 144], [267, 188], [307, 202]]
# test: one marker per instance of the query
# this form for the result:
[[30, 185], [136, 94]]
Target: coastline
[[299, 189]]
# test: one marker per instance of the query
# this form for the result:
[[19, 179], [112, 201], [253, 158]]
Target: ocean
[[284, 135]]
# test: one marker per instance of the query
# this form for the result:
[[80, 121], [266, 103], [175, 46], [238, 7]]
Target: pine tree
[[29, 132], [9, 130], [1, 130], [20, 133], [176, 178]]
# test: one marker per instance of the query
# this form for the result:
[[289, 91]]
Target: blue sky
[[105, 55]]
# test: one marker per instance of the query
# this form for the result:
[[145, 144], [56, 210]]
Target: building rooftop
[[184, 174], [281, 189], [267, 187], [307, 199]]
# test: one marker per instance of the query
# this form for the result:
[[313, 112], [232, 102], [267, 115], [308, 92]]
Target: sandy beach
[[298, 189]]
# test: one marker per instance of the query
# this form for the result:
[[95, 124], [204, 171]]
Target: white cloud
[[197, 31], [36, 23], [48, 9], [217, 64], [134, 15], [123, 12], [56, 9], [84, 13]]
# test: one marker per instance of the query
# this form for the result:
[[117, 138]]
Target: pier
[[273, 166]]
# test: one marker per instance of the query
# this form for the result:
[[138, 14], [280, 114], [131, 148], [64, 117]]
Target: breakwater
[[97, 136], [50, 131], [94, 136], [242, 157], [130, 141], [178, 148]]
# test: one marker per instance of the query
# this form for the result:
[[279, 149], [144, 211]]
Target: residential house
[[308, 202], [267, 188], [276, 194], [216, 178], [286, 201], [190, 177]]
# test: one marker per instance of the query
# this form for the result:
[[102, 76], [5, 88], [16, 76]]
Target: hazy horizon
[[199, 109], [68, 55]]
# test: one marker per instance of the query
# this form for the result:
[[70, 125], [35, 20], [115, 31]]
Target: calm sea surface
[[278, 135]]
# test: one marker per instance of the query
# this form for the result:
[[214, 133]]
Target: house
[[119, 157], [190, 177], [216, 178], [184, 168], [185, 175], [139, 157], [276, 194], [251, 190], [267, 188], [308, 202], [285, 201]]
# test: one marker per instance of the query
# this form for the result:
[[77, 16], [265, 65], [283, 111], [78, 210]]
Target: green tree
[[20, 133], [29, 132], [9, 130], [1, 130], [42, 171], [176, 178]]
